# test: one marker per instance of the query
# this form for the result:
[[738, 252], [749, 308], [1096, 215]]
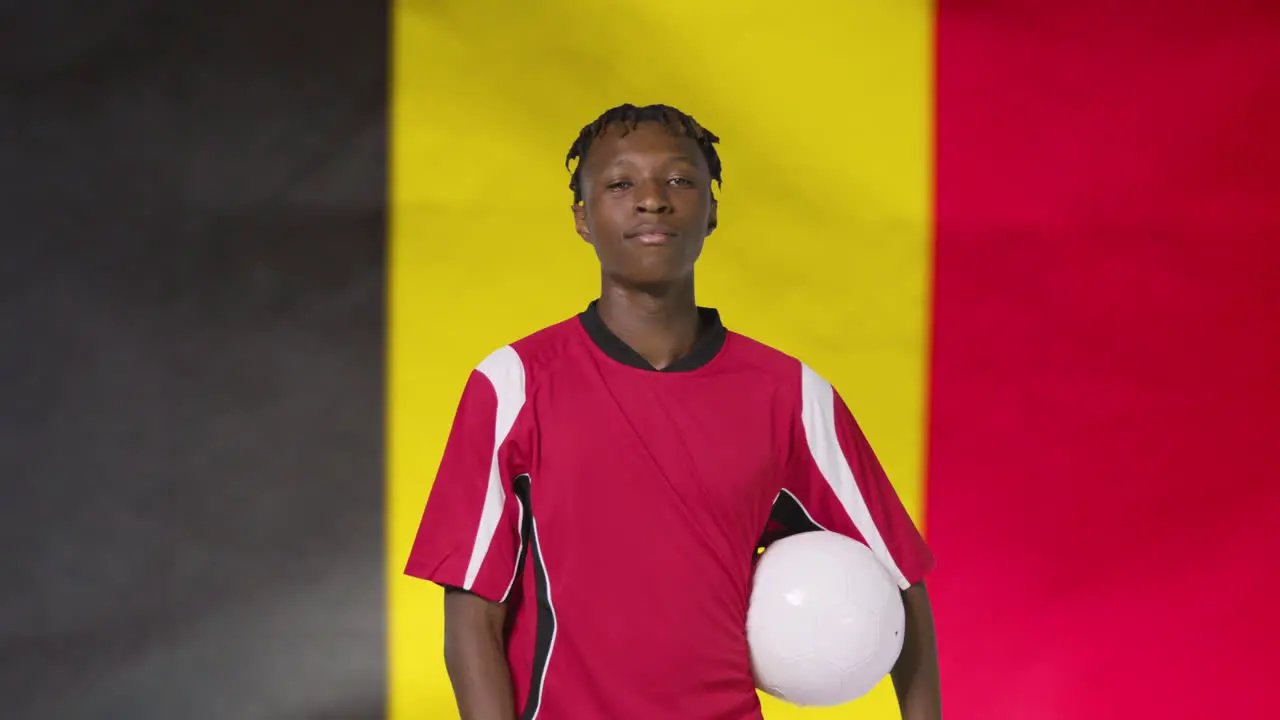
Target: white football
[[826, 620]]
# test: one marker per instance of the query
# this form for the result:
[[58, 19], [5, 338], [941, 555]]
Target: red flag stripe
[[1102, 495]]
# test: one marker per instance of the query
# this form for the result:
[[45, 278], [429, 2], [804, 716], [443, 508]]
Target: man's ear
[[580, 221], [713, 220]]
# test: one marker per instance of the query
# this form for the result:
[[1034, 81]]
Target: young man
[[608, 479]]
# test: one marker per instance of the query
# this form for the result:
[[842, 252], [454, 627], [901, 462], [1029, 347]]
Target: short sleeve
[[470, 534], [835, 479]]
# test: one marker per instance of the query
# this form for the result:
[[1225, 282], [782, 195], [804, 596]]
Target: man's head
[[642, 192]]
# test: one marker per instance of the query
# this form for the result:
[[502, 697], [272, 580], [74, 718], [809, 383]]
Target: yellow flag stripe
[[823, 249]]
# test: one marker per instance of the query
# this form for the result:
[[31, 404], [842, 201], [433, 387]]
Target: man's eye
[[619, 185], [682, 182]]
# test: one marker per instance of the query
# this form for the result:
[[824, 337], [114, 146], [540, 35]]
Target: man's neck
[[662, 326]]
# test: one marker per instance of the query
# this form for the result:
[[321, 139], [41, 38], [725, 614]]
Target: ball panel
[[825, 623]]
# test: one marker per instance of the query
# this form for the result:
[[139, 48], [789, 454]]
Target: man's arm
[[915, 676], [476, 657], [471, 534], [841, 487]]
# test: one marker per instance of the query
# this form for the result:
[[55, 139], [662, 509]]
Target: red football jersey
[[618, 510]]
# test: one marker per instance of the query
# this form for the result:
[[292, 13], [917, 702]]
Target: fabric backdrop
[[252, 250]]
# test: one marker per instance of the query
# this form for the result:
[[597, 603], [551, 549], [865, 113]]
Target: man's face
[[647, 204]]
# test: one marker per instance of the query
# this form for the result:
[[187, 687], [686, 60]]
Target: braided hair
[[629, 116]]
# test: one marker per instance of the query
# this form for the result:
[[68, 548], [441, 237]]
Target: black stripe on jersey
[[545, 635], [791, 513], [788, 517]]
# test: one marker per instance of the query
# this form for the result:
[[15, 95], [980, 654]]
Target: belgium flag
[[252, 250]]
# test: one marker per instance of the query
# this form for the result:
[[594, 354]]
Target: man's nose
[[653, 198]]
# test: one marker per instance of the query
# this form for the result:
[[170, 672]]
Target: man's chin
[[654, 281]]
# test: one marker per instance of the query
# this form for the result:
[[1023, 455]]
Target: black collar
[[711, 337]]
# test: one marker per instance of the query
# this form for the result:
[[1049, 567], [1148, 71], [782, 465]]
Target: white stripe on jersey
[[505, 371], [819, 417]]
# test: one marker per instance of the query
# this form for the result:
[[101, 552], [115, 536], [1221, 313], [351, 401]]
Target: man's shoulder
[[781, 367], [535, 349], [550, 339], [764, 357]]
